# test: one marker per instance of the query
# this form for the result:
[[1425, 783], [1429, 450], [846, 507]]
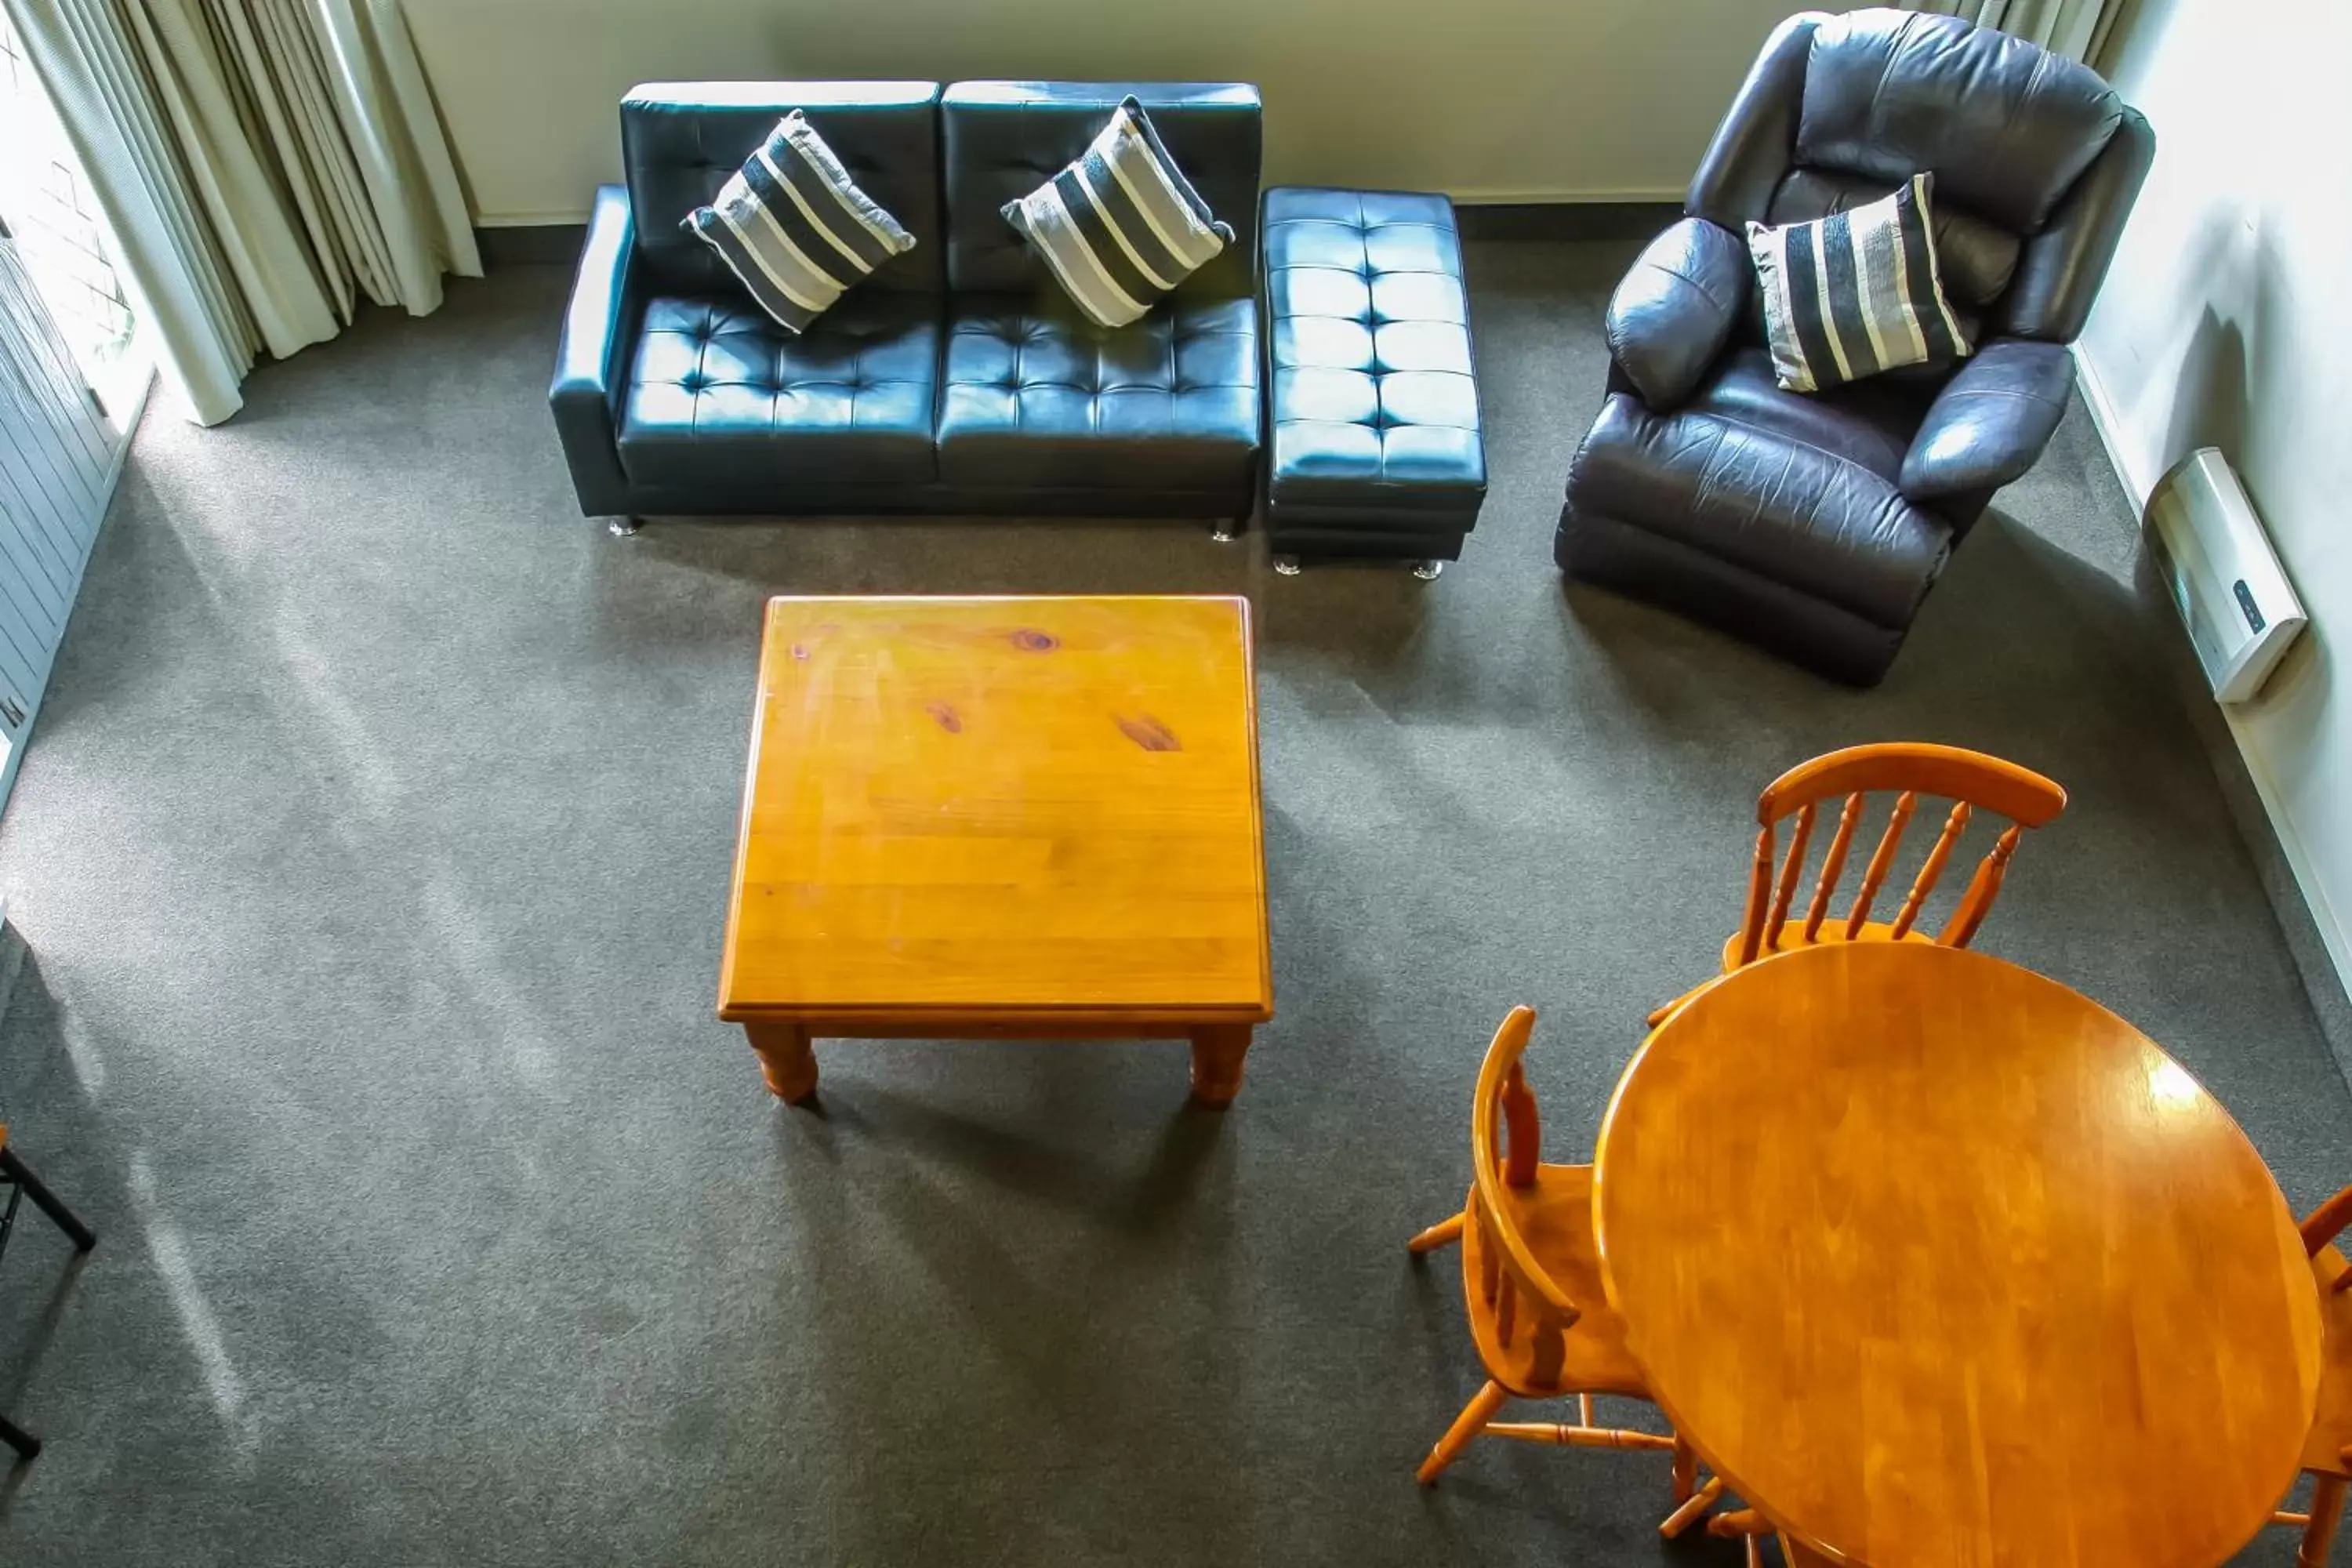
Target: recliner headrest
[[2005, 125]]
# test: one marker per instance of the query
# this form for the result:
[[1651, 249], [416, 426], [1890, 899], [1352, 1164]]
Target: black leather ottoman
[[1372, 441]]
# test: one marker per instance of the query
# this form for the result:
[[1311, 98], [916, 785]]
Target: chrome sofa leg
[[1288, 565], [1228, 529], [1428, 570], [623, 527]]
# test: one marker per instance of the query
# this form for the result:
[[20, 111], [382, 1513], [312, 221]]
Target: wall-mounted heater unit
[[2240, 610]]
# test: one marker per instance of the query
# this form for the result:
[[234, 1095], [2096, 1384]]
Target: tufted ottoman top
[[1373, 398]]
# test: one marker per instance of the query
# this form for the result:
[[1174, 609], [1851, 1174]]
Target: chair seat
[[1792, 938], [1036, 395], [720, 397], [2331, 1426], [1555, 1219], [1868, 422]]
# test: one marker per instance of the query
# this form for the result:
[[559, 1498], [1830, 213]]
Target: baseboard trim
[[554, 217], [2108, 423], [1564, 220], [1552, 196], [530, 244], [2316, 930]]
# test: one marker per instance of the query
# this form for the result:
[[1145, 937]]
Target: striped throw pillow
[[793, 226], [1122, 226], [1854, 293]]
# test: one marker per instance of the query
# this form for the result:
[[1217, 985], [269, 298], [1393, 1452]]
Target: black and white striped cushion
[[1854, 293], [1122, 226], [793, 226]]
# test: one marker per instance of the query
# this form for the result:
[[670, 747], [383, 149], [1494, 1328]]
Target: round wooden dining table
[[1936, 1262]]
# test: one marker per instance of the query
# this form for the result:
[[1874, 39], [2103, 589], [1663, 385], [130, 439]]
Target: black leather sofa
[[958, 379], [1814, 524]]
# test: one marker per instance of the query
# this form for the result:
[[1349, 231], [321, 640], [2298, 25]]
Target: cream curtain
[[2075, 28], [263, 163]]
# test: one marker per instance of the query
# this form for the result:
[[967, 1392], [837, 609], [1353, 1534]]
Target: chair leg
[[84, 1238], [1693, 1509], [1467, 1425], [24, 1443], [2326, 1512], [1436, 1236], [1686, 1470]]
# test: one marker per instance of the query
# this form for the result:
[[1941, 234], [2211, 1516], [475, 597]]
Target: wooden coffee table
[[1010, 817]]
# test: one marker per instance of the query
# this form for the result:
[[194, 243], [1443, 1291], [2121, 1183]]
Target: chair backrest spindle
[[1874, 876], [1760, 891], [1932, 871], [1789, 871], [1983, 889], [1833, 865]]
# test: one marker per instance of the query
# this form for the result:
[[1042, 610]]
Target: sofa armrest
[[1992, 420], [1675, 308], [590, 359]]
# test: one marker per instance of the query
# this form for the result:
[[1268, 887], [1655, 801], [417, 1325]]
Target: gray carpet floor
[[370, 858]]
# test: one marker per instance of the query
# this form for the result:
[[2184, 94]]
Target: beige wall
[[1492, 100], [2225, 323]]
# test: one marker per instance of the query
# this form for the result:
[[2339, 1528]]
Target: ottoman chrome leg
[[624, 527], [1287, 565], [1428, 570]]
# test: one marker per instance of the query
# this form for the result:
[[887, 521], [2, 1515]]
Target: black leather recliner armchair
[[1813, 524]]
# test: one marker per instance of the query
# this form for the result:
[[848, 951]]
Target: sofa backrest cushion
[[681, 140], [1002, 140]]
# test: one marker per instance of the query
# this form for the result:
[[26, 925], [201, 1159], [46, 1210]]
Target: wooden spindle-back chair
[[1531, 1279], [1911, 771], [2327, 1452]]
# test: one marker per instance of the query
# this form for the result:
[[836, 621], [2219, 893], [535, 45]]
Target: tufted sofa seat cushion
[[719, 396], [1035, 395]]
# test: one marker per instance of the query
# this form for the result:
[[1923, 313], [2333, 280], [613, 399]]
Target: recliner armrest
[[591, 358], [1992, 421], [1675, 307]]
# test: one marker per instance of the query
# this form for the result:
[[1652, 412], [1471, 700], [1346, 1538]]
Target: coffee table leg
[[785, 1059], [1217, 1053]]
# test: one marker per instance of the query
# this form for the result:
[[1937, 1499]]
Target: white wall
[[1489, 100], [2226, 322]]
